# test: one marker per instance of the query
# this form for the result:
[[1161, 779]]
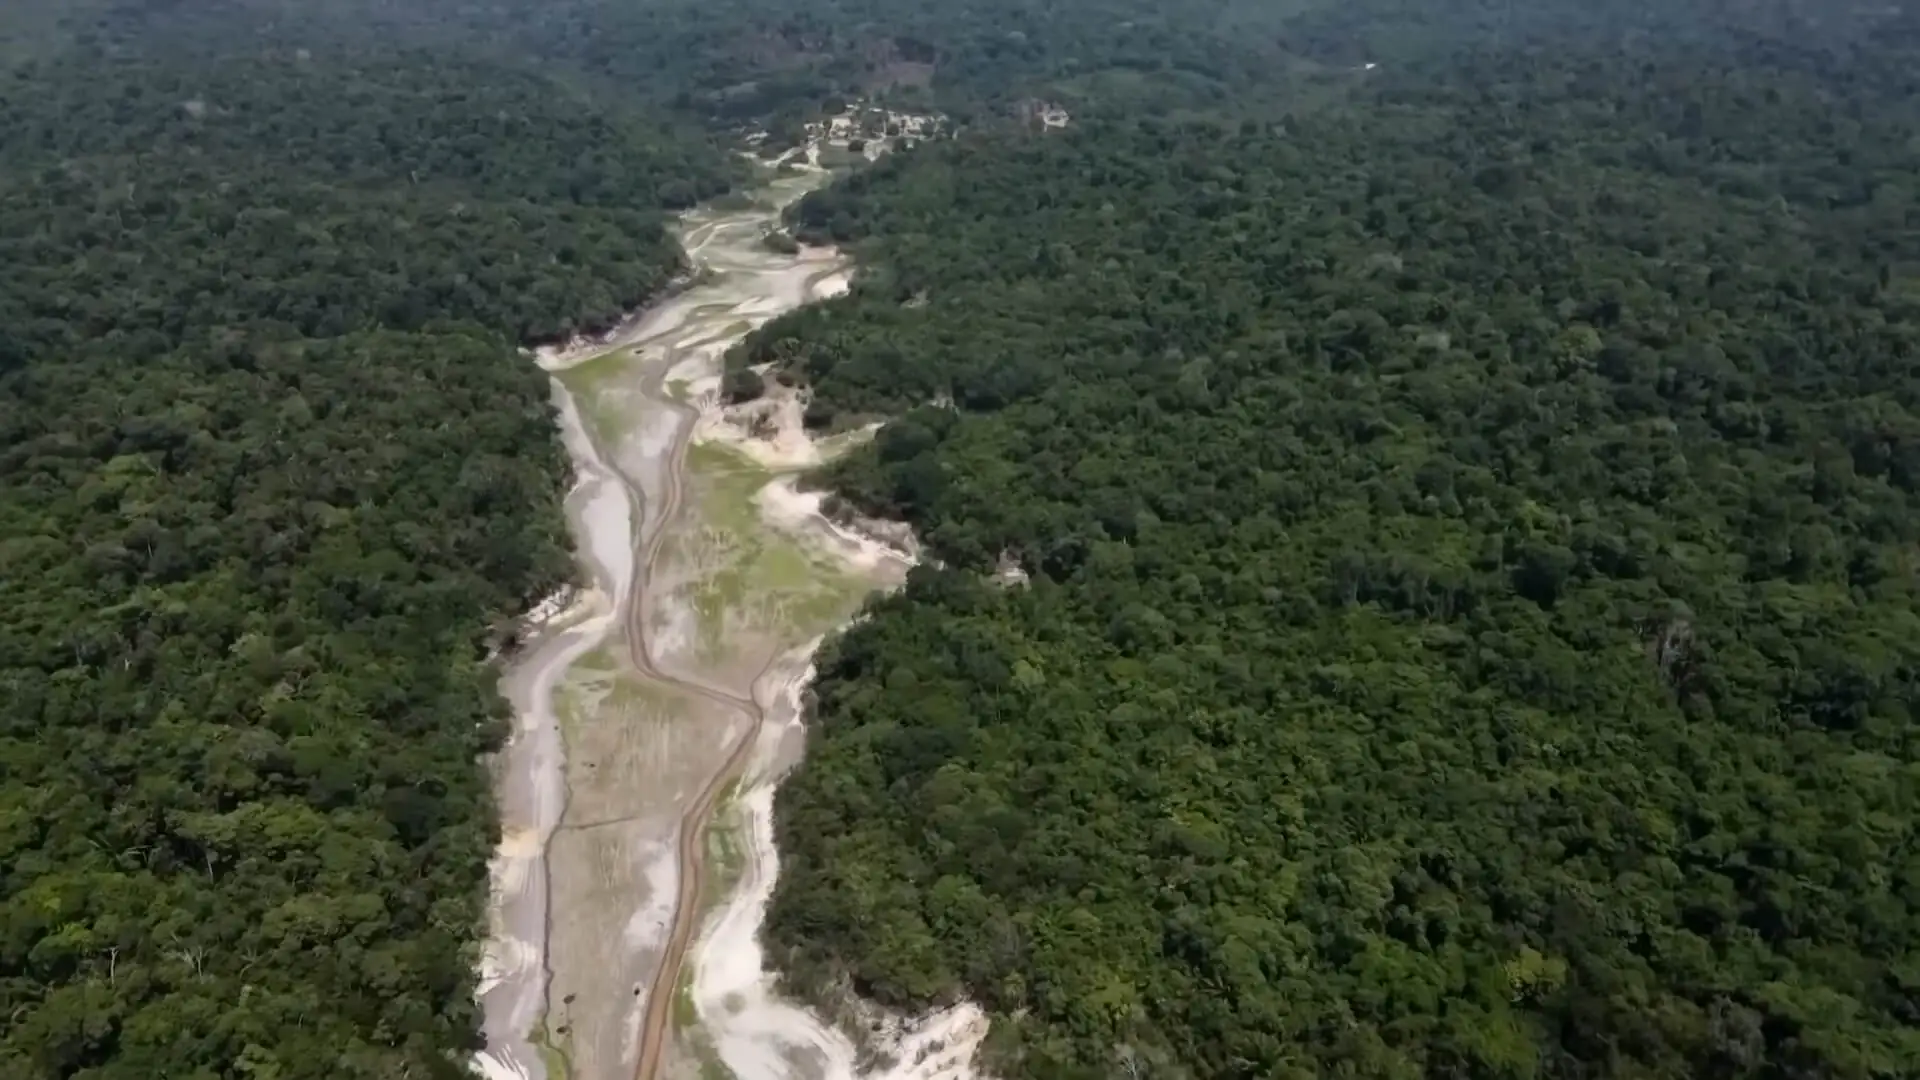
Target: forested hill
[[1473, 626], [271, 475]]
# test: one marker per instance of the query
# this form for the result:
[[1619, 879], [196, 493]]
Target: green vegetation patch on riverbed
[[610, 368], [617, 696], [552, 1046], [695, 1040], [748, 574], [607, 389], [726, 856]]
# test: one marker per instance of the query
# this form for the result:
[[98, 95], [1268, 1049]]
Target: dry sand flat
[[666, 693]]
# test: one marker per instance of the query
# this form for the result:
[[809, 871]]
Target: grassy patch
[[604, 388], [600, 658], [785, 567], [726, 858], [609, 415], [711, 309], [599, 683], [686, 1020], [756, 573], [839, 157], [704, 1053], [630, 692], [734, 202], [609, 368], [728, 483], [686, 1014], [553, 1052], [575, 701]]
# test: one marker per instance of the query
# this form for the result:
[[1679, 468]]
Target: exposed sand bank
[[628, 737]]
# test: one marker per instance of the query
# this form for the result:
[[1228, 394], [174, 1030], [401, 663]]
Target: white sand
[[833, 285], [785, 448], [648, 929], [648, 926], [757, 1035], [655, 435], [492, 1068], [515, 950], [697, 364], [606, 511], [513, 957], [784, 506], [673, 628]]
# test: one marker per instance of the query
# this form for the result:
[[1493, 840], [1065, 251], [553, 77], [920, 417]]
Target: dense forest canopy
[[326, 193], [742, 62], [272, 475], [1469, 505], [1472, 628]]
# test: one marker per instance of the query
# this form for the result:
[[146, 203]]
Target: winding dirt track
[[693, 820], [657, 352]]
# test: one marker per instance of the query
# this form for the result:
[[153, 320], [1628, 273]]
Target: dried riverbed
[[664, 696]]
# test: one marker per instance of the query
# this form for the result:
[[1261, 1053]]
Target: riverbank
[[672, 679]]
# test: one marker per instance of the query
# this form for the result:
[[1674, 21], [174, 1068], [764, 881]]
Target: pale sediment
[[628, 727], [752, 1030]]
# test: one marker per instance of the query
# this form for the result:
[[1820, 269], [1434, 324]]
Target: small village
[[860, 130], [866, 130], [871, 130]]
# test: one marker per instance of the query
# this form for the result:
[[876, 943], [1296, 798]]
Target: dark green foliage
[[327, 198], [1474, 625], [1472, 629], [767, 63], [741, 385], [272, 480], [248, 594]]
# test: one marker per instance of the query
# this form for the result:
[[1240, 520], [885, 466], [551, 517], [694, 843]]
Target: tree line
[[1472, 621], [273, 477]]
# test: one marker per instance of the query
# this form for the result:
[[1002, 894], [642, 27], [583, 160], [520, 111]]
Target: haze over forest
[[1463, 458]]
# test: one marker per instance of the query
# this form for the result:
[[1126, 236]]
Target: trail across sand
[[619, 914]]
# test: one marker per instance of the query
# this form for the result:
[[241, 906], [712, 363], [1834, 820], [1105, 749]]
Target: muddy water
[[620, 753]]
